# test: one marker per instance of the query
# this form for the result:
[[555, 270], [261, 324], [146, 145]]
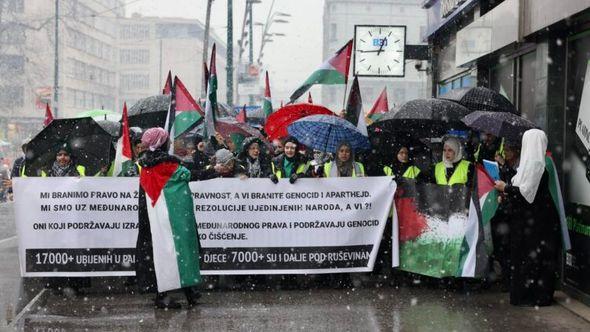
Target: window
[[135, 81], [12, 34], [135, 56], [13, 6], [134, 31], [528, 84], [11, 65], [502, 79], [178, 30], [11, 96], [465, 81]]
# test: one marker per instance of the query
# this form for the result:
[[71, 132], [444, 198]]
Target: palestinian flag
[[124, 156], [332, 71], [267, 104], [211, 101], [555, 190], [354, 108], [381, 106], [172, 222], [48, 116], [188, 112], [242, 117], [168, 85]]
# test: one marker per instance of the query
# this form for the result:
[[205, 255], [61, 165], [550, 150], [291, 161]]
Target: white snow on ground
[[440, 229]]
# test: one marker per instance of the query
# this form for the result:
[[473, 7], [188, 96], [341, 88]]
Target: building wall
[[340, 17]]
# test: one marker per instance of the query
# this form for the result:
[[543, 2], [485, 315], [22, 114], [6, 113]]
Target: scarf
[[288, 165], [254, 169], [532, 164], [60, 171], [455, 145]]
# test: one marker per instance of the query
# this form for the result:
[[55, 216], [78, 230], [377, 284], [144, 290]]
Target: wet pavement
[[109, 306]]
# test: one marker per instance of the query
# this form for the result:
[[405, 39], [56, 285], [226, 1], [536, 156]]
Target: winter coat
[[245, 160], [301, 166]]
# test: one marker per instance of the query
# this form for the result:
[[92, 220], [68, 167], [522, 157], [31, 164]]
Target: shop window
[[502, 79], [528, 83]]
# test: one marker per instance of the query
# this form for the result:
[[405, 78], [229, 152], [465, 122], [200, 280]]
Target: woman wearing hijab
[[453, 169], [534, 228], [402, 166], [254, 161], [290, 164], [344, 164], [156, 164]]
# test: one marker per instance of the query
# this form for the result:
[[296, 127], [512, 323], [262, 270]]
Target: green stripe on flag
[[184, 230], [325, 76]]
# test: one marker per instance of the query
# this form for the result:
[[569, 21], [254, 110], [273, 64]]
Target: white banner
[[583, 123], [71, 226], [314, 226], [88, 226]]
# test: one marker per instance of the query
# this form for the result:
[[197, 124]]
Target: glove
[[293, 178], [274, 179]]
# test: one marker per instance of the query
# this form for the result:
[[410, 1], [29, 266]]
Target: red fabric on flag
[[411, 222], [381, 104], [184, 100], [126, 146], [48, 116], [153, 179], [168, 85], [266, 87], [485, 183], [341, 62], [242, 117]]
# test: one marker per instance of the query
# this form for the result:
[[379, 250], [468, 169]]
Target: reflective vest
[[81, 170], [410, 173], [22, 171], [460, 175], [357, 170], [301, 169]]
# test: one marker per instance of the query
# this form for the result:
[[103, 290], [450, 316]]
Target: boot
[[192, 295], [164, 301]]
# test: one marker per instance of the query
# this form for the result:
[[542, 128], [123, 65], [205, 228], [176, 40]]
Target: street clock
[[379, 50]]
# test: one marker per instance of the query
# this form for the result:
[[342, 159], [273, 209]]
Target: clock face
[[379, 50]]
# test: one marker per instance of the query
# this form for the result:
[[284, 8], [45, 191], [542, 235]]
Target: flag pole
[[344, 98]]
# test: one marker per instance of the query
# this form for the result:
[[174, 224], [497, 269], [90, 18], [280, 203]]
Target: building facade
[[539, 59], [340, 17]]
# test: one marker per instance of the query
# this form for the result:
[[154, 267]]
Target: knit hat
[[223, 156]]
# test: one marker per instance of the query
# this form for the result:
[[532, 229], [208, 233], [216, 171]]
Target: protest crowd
[[414, 153]]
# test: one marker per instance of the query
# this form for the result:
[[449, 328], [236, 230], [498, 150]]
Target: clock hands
[[383, 41]]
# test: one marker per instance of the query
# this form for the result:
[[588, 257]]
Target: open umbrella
[[325, 132], [228, 126], [424, 118], [149, 112], [500, 124], [481, 99], [91, 145], [277, 122]]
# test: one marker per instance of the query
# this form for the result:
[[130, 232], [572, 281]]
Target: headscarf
[[532, 163], [56, 168], [293, 140], [223, 156], [345, 167], [455, 145], [154, 138]]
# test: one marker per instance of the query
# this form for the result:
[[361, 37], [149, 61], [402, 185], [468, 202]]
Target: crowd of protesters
[[526, 220]]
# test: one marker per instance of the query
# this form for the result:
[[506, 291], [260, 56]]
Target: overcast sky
[[289, 59]]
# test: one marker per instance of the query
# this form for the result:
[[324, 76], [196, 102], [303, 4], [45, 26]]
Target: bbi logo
[[379, 41]]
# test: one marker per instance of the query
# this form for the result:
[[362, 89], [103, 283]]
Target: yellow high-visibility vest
[[357, 170], [410, 173], [460, 175], [81, 170], [301, 169]]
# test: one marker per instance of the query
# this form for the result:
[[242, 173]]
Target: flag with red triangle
[[124, 155], [242, 117], [48, 116], [267, 104], [381, 106], [168, 85], [211, 101], [184, 100], [332, 71], [187, 113], [354, 108]]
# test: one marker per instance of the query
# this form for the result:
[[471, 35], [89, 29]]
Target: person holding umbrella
[[534, 226], [453, 169], [402, 166], [64, 164], [344, 164], [290, 164]]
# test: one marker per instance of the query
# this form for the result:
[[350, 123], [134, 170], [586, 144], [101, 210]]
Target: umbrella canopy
[[424, 117], [277, 122], [326, 132], [229, 126], [111, 127], [91, 145], [500, 124], [481, 99], [100, 114], [149, 112]]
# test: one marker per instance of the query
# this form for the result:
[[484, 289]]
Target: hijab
[[154, 138], [532, 163], [345, 167], [455, 145]]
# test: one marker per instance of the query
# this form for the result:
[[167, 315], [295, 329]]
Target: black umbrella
[[149, 112], [500, 124], [91, 145], [424, 118], [481, 99]]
